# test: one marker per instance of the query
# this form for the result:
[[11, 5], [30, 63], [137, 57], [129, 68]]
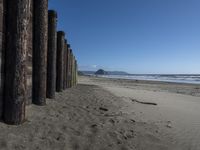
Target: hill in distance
[[105, 72]]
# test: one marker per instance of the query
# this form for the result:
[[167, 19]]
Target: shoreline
[[145, 81], [180, 88]]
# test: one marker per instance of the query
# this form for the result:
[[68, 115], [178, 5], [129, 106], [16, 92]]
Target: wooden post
[[65, 63], [70, 68], [2, 33], [29, 54], [68, 65], [77, 73], [40, 51], [73, 71], [17, 13], [51, 54], [59, 64], [76, 68]]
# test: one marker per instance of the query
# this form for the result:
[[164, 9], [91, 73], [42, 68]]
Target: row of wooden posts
[[54, 67]]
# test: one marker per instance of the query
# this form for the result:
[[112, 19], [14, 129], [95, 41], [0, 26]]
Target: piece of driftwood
[[147, 103], [102, 108]]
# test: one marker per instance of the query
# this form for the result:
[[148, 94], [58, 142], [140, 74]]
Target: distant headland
[[103, 72]]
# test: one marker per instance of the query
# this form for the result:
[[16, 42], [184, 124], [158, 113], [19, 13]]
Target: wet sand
[[106, 114]]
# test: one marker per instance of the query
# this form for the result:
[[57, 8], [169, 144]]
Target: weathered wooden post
[[40, 51], [76, 72], [2, 27], [68, 65], [17, 14], [74, 81], [51, 54], [71, 60], [60, 63], [64, 67], [72, 71], [29, 54]]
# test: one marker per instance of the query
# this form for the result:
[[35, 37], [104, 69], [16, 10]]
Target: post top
[[61, 33], [52, 13], [68, 45]]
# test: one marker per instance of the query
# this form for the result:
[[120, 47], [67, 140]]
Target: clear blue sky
[[137, 36]]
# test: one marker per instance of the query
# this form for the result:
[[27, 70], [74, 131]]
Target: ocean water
[[189, 78]]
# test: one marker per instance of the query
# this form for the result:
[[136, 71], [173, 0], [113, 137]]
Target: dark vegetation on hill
[[101, 72], [107, 72]]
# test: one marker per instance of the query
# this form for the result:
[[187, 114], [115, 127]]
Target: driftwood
[[102, 108], [147, 103]]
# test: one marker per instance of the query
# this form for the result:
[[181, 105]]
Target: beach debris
[[113, 115], [132, 120], [102, 108], [112, 121], [147, 103], [169, 124], [94, 125]]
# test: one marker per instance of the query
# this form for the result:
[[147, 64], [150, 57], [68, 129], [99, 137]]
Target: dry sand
[[176, 113], [102, 114]]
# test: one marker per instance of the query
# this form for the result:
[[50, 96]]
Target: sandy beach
[[177, 106], [111, 114]]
